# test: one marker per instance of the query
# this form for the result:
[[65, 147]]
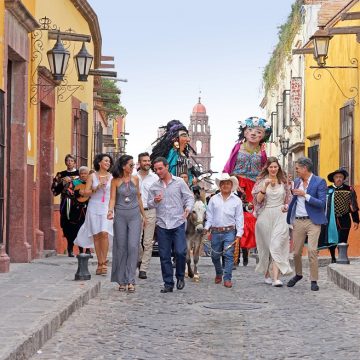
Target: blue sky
[[169, 50]]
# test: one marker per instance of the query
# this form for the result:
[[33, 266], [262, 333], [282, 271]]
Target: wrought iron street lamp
[[58, 58], [83, 61], [321, 40], [284, 146]]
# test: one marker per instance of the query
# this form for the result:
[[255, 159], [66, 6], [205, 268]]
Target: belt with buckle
[[302, 217], [223, 229]]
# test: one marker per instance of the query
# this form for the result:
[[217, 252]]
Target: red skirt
[[248, 239]]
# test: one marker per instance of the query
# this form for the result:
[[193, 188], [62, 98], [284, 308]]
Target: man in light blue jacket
[[307, 213]]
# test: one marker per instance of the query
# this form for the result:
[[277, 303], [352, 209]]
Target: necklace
[[254, 151], [127, 198], [104, 184]]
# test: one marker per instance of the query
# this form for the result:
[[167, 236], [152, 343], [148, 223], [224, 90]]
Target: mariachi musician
[[342, 207]]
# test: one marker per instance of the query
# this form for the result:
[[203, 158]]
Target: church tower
[[199, 131]]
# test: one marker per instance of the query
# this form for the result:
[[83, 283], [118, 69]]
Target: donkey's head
[[197, 216]]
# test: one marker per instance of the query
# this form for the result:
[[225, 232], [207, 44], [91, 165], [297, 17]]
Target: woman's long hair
[[118, 171], [265, 172]]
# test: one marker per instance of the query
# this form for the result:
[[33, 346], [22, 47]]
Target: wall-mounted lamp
[[58, 58], [284, 146], [321, 40], [83, 61]]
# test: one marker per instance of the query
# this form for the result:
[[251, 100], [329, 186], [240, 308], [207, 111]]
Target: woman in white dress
[[271, 198], [97, 228]]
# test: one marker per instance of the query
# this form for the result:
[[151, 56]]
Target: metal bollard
[[342, 250], [83, 271]]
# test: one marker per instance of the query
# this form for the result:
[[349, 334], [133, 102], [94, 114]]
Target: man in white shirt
[[146, 179], [225, 221]]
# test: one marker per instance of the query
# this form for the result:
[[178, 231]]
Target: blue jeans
[[219, 241], [168, 238]]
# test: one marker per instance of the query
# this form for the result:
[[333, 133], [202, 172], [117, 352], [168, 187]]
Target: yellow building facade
[[332, 129], [42, 119]]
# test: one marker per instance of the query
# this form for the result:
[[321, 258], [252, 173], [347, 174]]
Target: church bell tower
[[199, 131]]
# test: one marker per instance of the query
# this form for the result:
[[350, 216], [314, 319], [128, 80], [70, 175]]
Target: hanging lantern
[[58, 58], [83, 61]]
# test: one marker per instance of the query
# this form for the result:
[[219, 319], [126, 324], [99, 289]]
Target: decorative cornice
[[90, 16], [314, 136], [298, 146], [22, 14]]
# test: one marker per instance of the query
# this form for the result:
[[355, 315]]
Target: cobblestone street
[[207, 321]]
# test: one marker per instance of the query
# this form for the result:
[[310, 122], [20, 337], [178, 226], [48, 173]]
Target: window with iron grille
[[286, 109], [99, 138], [80, 137], [346, 146], [279, 120], [2, 164], [313, 154], [273, 123]]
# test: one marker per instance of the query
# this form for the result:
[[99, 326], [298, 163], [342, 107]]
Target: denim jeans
[[167, 238], [219, 241]]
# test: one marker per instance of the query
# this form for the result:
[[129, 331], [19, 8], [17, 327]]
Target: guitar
[[72, 191]]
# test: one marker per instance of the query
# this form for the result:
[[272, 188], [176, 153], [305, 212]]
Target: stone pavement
[[206, 321], [35, 299]]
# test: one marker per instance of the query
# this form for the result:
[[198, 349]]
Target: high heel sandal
[[104, 268], [122, 287], [99, 269], [131, 288]]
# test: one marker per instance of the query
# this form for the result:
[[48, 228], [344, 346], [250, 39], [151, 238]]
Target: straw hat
[[227, 177]]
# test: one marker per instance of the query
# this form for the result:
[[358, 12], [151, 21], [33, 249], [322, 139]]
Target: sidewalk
[[36, 298], [347, 277]]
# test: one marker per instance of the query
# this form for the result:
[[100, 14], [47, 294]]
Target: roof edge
[[90, 16], [337, 17]]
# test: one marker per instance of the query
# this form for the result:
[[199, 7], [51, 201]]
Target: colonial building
[[332, 97], [284, 83], [43, 116], [314, 108]]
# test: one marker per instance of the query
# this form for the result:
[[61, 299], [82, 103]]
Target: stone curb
[[47, 329], [345, 278]]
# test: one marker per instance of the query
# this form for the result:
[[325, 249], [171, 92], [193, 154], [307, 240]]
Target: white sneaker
[[268, 281], [277, 283]]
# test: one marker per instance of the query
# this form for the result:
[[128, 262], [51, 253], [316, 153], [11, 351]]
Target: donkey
[[194, 235]]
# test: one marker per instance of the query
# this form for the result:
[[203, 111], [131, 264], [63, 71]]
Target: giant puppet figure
[[245, 162], [174, 145]]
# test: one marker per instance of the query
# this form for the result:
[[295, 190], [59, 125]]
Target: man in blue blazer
[[307, 213]]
